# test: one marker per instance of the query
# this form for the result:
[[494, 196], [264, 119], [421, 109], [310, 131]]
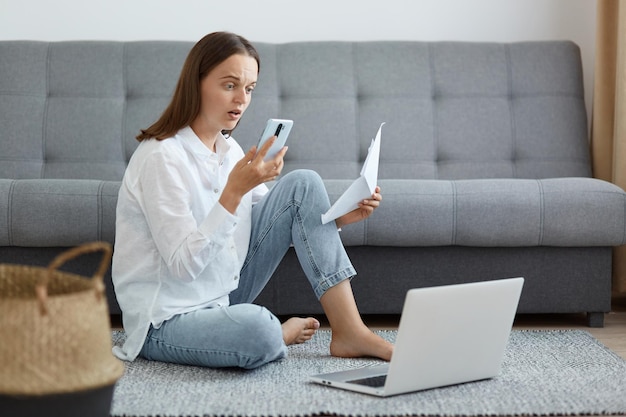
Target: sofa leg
[[595, 319]]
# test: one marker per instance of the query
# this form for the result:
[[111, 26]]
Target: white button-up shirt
[[176, 248]]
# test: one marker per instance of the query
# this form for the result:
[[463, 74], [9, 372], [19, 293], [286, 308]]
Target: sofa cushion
[[491, 213], [55, 213], [482, 213], [454, 110]]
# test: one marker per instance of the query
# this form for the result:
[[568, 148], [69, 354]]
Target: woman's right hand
[[249, 172]]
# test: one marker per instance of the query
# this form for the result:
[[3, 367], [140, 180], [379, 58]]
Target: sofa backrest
[[453, 110]]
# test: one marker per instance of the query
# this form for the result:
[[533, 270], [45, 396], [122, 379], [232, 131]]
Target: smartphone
[[279, 128]]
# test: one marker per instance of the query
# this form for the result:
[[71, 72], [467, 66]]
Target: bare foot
[[299, 330], [361, 342]]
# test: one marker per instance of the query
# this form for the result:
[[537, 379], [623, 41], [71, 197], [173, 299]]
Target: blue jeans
[[243, 334]]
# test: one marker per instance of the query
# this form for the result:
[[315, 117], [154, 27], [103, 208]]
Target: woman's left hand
[[366, 208]]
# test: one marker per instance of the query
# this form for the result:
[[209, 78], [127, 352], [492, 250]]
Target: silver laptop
[[447, 335]]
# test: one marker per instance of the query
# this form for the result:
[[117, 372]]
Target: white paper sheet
[[362, 188]]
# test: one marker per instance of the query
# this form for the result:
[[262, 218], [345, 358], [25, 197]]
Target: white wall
[[294, 20]]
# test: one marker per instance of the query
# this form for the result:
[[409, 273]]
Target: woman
[[198, 233]]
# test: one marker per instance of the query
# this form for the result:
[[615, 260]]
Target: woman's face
[[226, 93]]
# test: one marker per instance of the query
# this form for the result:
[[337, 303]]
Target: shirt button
[[216, 190], [235, 278]]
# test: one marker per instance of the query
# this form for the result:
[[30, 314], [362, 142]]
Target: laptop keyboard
[[372, 381]]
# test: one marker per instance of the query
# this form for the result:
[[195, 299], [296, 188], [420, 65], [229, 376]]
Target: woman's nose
[[242, 96]]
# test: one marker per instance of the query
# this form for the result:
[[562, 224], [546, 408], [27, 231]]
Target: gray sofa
[[484, 168]]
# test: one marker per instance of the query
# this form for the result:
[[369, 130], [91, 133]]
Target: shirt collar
[[192, 140]]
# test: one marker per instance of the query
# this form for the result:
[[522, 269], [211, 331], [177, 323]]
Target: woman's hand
[[366, 208], [249, 172]]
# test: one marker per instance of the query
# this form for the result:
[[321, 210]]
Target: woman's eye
[[249, 90], [230, 86]]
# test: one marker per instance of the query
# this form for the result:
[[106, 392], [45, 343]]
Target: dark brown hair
[[205, 55]]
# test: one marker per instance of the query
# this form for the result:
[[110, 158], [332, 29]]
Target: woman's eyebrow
[[234, 77]]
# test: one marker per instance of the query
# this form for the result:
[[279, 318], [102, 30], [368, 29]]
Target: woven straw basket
[[55, 334]]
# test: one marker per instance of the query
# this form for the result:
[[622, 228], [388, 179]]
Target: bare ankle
[[366, 344]]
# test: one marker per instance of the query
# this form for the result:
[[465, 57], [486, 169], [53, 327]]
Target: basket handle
[[98, 278]]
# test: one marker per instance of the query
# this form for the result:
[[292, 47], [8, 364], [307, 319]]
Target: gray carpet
[[544, 373]]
